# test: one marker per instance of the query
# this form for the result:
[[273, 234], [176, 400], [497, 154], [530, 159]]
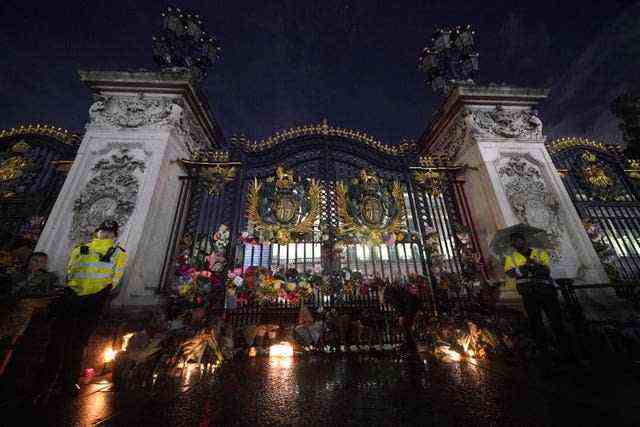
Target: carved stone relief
[[135, 111], [532, 202], [519, 124], [140, 112], [110, 195], [455, 138]]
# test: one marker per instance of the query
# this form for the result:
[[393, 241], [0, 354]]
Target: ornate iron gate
[[33, 164], [320, 199], [606, 199]]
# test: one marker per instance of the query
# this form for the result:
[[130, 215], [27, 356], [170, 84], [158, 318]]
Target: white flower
[[429, 230]]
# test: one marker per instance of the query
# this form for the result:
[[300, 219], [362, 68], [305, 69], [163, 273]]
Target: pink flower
[[215, 259], [204, 273], [391, 239], [235, 272]]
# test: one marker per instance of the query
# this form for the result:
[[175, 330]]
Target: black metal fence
[[601, 185], [33, 164], [347, 320]]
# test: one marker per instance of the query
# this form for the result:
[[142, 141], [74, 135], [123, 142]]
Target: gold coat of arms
[[371, 210], [283, 208]]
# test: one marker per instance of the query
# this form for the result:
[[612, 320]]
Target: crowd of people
[[74, 307]]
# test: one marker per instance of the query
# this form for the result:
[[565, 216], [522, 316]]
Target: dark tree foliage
[[626, 108]]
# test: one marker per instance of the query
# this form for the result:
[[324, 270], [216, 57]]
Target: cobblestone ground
[[361, 390]]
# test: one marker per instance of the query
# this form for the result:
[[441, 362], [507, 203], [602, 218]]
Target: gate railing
[[607, 199], [440, 237], [361, 319]]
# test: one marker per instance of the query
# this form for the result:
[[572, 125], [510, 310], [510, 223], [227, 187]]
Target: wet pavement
[[314, 390]]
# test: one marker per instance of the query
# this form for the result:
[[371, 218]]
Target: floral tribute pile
[[604, 251], [201, 271], [200, 268], [260, 285], [470, 279]]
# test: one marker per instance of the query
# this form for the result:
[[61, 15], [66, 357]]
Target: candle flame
[[284, 349], [109, 354]]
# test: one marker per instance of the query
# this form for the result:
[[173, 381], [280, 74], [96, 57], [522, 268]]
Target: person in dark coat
[[407, 304], [35, 279], [530, 267]]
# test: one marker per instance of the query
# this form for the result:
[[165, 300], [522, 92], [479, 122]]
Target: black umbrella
[[536, 237]]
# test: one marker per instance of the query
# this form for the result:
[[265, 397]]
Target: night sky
[[287, 63]]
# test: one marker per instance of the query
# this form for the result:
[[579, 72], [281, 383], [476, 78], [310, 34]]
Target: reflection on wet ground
[[361, 390]]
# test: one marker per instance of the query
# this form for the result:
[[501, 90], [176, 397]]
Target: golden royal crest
[[282, 208], [599, 178], [370, 209]]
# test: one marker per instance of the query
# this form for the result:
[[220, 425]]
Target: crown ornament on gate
[[284, 178]]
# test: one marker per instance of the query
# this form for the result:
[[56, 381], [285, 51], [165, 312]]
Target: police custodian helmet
[[109, 225]]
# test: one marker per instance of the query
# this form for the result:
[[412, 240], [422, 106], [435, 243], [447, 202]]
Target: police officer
[[530, 268], [94, 270]]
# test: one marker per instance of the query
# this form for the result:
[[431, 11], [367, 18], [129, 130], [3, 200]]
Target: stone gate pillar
[[139, 125], [496, 131]]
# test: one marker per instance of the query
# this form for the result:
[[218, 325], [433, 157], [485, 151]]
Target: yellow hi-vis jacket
[[88, 274], [517, 260]]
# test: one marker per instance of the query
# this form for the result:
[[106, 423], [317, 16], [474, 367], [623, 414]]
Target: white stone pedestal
[[513, 179], [126, 169]]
